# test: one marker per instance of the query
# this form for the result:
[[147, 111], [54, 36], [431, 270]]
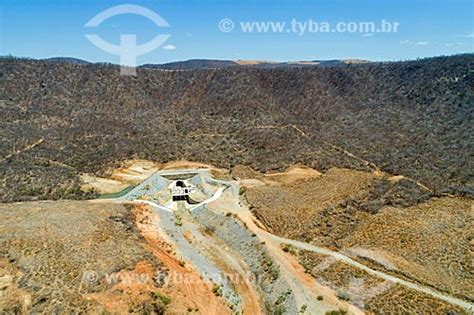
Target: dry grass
[[91, 183], [292, 175], [47, 248], [369, 292], [400, 300], [134, 171], [288, 209], [429, 242]]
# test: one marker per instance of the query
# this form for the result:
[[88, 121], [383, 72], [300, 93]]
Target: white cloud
[[409, 42], [469, 35], [368, 35], [169, 47]]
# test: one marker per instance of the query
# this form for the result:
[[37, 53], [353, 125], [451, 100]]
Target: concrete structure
[[181, 190], [193, 188]]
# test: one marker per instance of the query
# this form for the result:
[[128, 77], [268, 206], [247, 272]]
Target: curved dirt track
[[341, 257], [256, 227], [305, 288], [303, 285]]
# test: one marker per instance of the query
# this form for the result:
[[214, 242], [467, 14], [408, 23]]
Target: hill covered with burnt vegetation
[[409, 118]]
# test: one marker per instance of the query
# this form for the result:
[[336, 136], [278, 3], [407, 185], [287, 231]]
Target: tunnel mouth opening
[[181, 198], [181, 191]]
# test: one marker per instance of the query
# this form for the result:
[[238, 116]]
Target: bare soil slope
[[424, 239], [75, 257]]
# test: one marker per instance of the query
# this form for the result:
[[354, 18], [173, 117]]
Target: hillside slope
[[411, 118]]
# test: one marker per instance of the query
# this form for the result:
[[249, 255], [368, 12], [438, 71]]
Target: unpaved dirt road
[[252, 223], [341, 257], [304, 287]]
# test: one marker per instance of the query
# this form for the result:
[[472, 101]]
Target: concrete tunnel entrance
[[181, 191]]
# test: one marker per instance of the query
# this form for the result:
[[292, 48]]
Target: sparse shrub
[[217, 289], [303, 308], [287, 248], [209, 230], [343, 295], [161, 297], [178, 220], [280, 302]]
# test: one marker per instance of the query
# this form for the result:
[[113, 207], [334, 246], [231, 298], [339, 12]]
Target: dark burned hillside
[[411, 118]]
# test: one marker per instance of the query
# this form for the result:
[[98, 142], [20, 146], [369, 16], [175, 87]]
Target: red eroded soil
[[183, 285]]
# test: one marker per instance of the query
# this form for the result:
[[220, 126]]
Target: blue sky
[[46, 28]]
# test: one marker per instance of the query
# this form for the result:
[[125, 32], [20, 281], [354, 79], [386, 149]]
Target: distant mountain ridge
[[69, 60], [196, 64], [193, 64]]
